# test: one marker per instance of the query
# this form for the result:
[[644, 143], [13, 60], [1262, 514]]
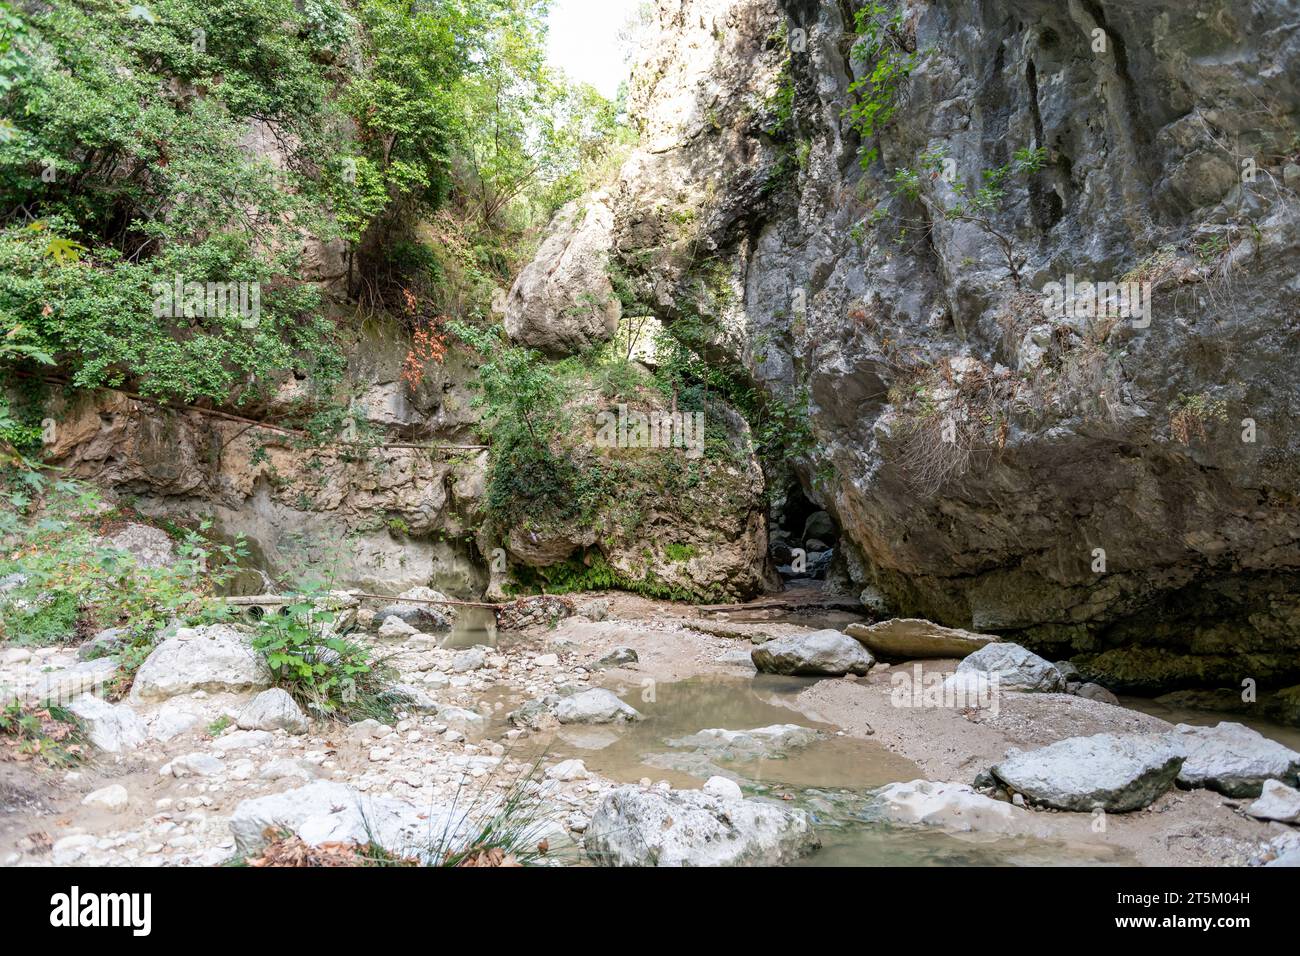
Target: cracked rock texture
[[1104, 495]]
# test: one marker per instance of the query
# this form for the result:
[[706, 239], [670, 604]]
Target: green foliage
[[124, 172], [98, 317], [885, 44], [218, 726], [74, 585], [48, 732], [591, 572], [326, 673], [1189, 415], [981, 206], [695, 369]]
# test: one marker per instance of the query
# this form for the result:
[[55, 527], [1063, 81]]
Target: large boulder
[[815, 653], [910, 638], [597, 706], [69, 683], [325, 812], [422, 617], [216, 658], [149, 546], [1233, 759], [953, 806], [273, 709], [633, 826], [1113, 772], [114, 728], [563, 301], [1015, 667], [820, 527]]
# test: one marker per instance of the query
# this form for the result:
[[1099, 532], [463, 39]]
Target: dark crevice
[[1044, 204], [1138, 129]]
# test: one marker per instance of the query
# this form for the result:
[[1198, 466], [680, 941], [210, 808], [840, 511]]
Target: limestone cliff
[[997, 457]]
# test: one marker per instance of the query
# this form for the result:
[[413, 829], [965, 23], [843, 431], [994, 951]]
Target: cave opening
[[801, 535]]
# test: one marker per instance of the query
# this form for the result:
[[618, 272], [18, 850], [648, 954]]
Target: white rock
[[953, 806], [174, 717], [273, 709], [71, 848], [219, 658], [324, 812], [638, 827], [368, 729], [1114, 772], [288, 769], [1016, 668], [723, 788], [242, 740], [395, 627], [68, 683], [195, 764], [596, 706], [464, 721], [113, 728], [775, 740], [150, 546], [1233, 759], [546, 660], [1277, 802], [469, 660], [113, 797], [567, 770], [814, 653]]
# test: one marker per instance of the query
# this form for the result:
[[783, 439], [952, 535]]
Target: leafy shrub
[[49, 733], [887, 44], [73, 585], [327, 674]]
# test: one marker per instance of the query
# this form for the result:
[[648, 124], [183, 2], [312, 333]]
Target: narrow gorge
[[866, 436]]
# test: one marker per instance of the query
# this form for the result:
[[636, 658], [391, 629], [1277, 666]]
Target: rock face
[[1233, 759], [1103, 491], [826, 652], [405, 513], [563, 301], [1016, 668], [953, 806], [1114, 772], [212, 658], [909, 639], [638, 827]]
